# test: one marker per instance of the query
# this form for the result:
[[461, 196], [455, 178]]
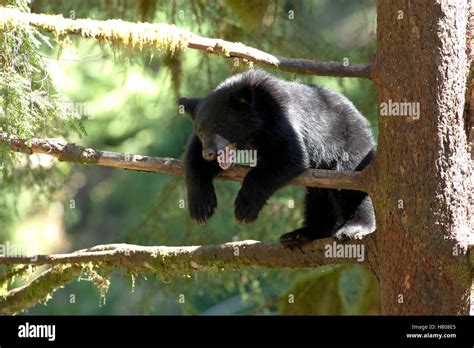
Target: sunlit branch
[[164, 36], [68, 152]]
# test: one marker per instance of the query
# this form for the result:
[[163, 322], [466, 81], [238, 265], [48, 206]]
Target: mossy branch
[[167, 262], [184, 259], [68, 152], [39, 289], [169, 37]]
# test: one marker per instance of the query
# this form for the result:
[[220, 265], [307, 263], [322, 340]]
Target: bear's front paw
[[202, 203], [246, 208]]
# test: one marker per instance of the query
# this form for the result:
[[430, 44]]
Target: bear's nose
[[209, 154]]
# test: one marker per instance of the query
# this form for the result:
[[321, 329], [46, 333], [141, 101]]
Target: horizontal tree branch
[[170, 37], [174, 261], [233, 255], [303, 66], [68, 152]]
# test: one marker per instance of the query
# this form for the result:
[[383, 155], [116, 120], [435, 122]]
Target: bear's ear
[[189, 105], [243, 97]]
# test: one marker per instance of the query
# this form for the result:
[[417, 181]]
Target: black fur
[[293, 127]]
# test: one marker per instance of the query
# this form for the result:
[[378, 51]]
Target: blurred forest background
[[130, 107]]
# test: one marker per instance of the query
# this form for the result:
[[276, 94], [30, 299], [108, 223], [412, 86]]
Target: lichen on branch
[[170, 38], [166, 262], [116, 31]]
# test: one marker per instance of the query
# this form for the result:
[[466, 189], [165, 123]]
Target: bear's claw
[[202, 204]]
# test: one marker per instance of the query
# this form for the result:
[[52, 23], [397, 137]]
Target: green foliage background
[[133, 110]]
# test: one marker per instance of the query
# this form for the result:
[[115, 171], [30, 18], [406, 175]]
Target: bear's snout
[[209, 154]]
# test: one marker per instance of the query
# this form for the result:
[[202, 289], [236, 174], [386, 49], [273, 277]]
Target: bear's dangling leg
[[199, 173]]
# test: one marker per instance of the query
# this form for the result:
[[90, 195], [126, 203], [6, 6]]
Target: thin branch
[[78, 154], [303, 66], [165, 36]]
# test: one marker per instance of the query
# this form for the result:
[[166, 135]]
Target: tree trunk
[[422, 171]]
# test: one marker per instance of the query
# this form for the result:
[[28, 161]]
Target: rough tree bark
[[422, 167]]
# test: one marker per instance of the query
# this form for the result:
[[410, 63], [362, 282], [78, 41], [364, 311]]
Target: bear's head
[[227, 117]]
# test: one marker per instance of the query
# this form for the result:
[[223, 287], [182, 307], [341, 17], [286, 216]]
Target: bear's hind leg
[[319, 219], [360, 216]]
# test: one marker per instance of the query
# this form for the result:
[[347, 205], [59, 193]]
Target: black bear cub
[[292, 127]]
